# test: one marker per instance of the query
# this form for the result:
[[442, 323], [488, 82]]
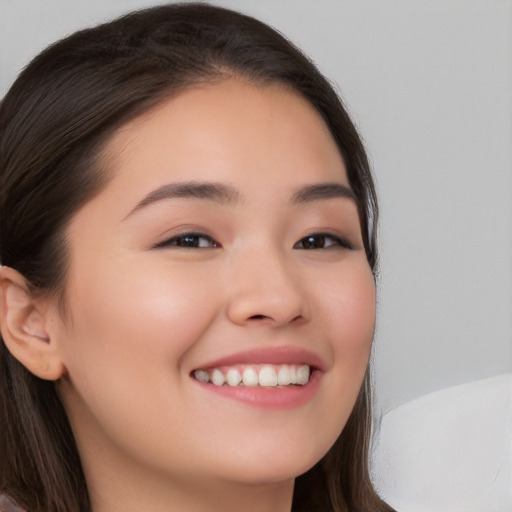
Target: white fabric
[[449, 451]]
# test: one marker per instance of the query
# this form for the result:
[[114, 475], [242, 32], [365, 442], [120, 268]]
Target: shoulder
[[8, 504]]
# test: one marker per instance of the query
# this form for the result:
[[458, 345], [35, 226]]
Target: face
[[226, 247]]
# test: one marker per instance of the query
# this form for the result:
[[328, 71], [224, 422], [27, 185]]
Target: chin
[[266, 475], [279, 466]]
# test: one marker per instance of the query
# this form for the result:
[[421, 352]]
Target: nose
[[265, 290]]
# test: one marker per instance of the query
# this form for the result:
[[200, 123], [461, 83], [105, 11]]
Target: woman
[[188, 256]]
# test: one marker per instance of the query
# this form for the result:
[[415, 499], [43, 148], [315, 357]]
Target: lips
[[270, 355], [275, 377]]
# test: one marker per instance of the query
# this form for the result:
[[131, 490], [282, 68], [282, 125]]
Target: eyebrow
[[322, 191], [226, 194], [217, 192]]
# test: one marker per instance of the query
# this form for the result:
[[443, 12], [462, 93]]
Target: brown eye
[[189, 241], [322, 241]]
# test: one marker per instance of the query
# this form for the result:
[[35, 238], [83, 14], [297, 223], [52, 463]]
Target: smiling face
[[226, 247]]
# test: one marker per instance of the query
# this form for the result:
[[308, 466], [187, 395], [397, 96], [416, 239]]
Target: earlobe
[[23, 320]]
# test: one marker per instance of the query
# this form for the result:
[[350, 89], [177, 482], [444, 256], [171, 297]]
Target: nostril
[[257, 317]]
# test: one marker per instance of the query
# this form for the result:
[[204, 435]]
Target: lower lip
[[285, 397]]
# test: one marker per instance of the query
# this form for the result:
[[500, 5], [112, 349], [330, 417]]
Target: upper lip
[[270, 355]]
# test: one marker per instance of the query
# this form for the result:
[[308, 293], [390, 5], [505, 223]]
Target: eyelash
[[339, 242], [192, 241]]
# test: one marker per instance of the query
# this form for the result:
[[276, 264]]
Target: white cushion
[[449, 451]]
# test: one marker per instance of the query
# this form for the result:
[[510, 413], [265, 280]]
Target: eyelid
[[341, 241], [167, 242]]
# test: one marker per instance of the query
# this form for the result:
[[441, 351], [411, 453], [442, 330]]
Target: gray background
[[429, 83]]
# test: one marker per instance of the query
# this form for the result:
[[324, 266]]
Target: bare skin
[[266, 259]]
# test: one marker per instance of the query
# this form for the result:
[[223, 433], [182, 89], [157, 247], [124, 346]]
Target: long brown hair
[[54, 122]]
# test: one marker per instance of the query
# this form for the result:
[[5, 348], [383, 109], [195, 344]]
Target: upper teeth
[[256, 375]]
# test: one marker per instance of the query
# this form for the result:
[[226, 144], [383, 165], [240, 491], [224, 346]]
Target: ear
[[23, 325]]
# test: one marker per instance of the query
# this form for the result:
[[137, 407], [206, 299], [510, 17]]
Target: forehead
[[206, 131]]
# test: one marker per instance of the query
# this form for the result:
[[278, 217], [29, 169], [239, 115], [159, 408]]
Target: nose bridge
[[264, 287]]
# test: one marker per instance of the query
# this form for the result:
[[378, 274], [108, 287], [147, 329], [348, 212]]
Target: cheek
[[349, 308], [131, 322], [124, 347], [154, 300], [348, 314]]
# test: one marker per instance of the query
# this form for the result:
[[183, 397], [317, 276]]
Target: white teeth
[[267, 376], [256, 375], [250, 377], [293, 375], [217, 377], [233, 378], [284, 377], [302, 374], [202, 376]]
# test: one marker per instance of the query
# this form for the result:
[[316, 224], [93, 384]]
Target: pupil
[[189, 241], [314, 242]]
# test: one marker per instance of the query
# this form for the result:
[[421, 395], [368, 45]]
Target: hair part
[[55, 124]]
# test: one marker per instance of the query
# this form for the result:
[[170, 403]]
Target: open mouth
[[256, 375]]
